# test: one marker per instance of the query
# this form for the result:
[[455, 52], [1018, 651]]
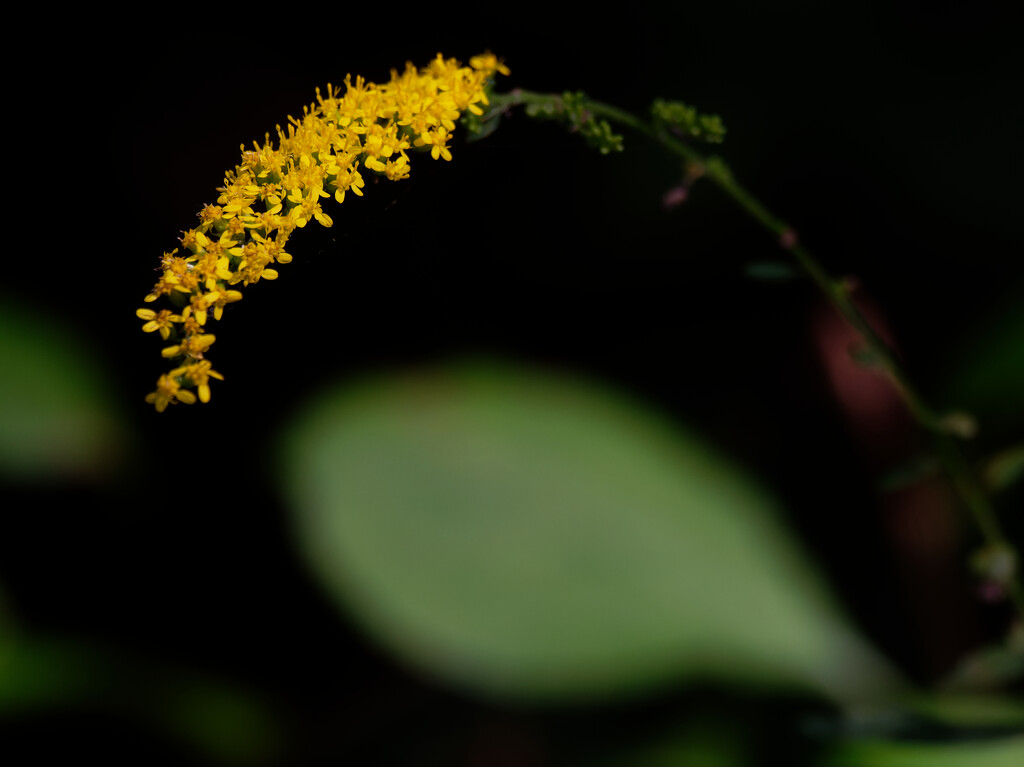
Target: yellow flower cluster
[[363, 128]]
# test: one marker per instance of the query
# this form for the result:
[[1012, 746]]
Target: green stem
[[837, 292]]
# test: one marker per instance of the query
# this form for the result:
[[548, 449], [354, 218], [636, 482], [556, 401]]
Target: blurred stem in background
[[671, 121]]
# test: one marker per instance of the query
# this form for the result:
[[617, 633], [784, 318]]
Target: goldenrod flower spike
[[346, 133]]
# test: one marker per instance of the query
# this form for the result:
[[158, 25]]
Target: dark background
[[886, 133]]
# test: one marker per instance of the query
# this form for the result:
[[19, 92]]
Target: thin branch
[[961, 475]]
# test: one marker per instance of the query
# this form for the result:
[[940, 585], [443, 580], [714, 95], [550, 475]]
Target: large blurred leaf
[[56, 417], [527, 534]]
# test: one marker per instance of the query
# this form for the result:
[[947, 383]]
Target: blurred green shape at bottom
[[531, 535], [1001, 752], [65, 677]]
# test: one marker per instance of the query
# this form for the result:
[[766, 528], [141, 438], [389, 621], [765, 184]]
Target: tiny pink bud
[[990, 591], [674, 197]]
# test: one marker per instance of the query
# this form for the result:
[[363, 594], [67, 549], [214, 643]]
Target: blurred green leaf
[[912, 471], [971, 710], [771, 271], [1002, 752], [216, 720], [988, 668], [526, 534], [229, 723], [56, 417], [1004, 468], [7, 625], [986, 370], [45, 674], [707, 741]]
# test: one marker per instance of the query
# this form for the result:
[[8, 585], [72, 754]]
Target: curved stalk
[[836, 291]]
